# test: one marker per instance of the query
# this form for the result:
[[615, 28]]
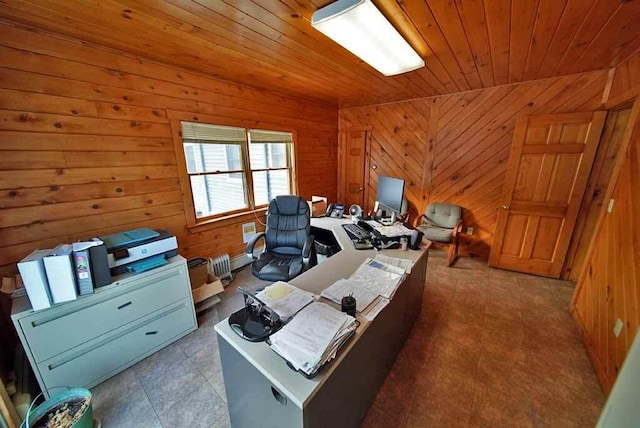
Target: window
[[269, 158], [232, 169]]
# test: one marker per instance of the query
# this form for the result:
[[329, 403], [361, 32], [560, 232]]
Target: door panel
[[550, 161], [544, 245], [354, 144]]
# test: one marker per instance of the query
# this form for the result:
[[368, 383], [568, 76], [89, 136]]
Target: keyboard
[[356, 231]]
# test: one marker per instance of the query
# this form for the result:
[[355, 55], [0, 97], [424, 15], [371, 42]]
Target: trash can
[[79, 402]]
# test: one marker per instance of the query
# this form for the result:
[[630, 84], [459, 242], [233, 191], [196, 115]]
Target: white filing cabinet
[[84, 342]]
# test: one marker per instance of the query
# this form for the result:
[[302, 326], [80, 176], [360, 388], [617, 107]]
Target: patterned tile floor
[[492, 348]]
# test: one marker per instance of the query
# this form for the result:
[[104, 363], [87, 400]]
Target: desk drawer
[[60, 329], [106, 356]]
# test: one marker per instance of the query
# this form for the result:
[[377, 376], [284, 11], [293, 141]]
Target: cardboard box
[[211, 288], [318, 206], [198, 272]]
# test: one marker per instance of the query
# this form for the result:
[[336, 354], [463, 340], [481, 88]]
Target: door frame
[[621, 102]]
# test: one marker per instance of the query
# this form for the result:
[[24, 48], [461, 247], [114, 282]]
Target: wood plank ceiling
[[466, 44]]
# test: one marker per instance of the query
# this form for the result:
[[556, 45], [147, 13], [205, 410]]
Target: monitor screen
[[390, 192]]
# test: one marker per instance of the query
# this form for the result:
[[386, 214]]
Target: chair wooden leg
[[452, 255]]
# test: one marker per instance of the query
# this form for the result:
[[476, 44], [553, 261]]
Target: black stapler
[[256, 321]]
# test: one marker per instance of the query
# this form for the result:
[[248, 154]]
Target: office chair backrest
[[443, 215], [288, 224]]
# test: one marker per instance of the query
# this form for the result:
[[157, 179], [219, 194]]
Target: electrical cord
[[253, 210], [227, 281]]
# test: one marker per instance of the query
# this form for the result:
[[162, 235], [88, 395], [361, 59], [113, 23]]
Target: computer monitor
[[390, 193]]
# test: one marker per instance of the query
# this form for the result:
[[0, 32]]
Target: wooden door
[[353, 166], [549, 165]]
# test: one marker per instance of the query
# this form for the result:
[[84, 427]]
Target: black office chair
[[288, 249]]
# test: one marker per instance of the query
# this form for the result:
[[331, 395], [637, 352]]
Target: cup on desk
[[349, 305], [404, 243]]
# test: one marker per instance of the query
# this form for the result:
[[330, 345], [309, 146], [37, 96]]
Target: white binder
[[35, 279], [60, 273]]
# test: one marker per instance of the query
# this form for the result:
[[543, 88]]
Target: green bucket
[[85, 421]]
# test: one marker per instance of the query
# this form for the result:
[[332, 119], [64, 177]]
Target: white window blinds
[[275, 137], [202, 132]]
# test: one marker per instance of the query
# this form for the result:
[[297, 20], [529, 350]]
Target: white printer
[[138, 250]]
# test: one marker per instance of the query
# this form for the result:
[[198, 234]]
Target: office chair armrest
[[425, 222], [418, 219], [252, 243], [307, 250], [458, 228]]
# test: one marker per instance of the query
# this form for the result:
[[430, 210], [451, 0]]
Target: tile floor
[[492, 348], [179, 386]]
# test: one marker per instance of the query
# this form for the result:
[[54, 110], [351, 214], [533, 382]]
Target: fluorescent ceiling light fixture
[[362, 29]]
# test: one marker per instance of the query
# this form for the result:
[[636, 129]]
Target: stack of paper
[[393, 231], [404, 264], [378, 277], [313, 337], [344, 287], [285, 299]]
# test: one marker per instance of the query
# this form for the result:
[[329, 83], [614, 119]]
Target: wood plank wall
[[594, 194], [86, 148], [610, 290], [398, 143], [609, 287], [454, 148], [626, 78]]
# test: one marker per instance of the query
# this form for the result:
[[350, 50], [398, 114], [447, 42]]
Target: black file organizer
[[256, 321], [316, 371]]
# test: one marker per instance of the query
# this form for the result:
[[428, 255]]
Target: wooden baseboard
[[605, 382]]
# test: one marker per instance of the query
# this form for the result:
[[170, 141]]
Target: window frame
[[288, 156], [185, 177]]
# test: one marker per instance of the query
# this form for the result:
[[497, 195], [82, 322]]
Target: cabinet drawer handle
[[150, 333], [124, 305], [280, 398]]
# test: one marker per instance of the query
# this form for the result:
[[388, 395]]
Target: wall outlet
[[618, 327], [469, 230]]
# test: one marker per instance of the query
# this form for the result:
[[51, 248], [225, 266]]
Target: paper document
[[81, 246], [285, 299], [384, 266], [344, 287], [393, 231], [375, 277], [404, 264], [313, 336], [372, 311]]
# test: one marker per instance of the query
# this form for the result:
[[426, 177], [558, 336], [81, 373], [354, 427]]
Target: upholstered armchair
[[442, 223], [288, 248]]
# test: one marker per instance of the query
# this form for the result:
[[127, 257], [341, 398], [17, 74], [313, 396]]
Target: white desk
[[263, 391]]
